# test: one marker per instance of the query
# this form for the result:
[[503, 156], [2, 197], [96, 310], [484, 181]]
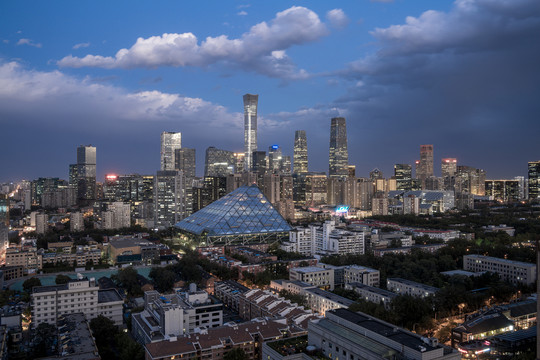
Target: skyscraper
[[275, 158], [403, 175], [86, 172], [170, 141], [339, 155], [448, 167], [534, 180], [424, 167], [170, 198], [185, 161], [218, 162], [300, 156], [250, 128]]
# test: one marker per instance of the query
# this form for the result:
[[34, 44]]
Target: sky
[[462, 75]]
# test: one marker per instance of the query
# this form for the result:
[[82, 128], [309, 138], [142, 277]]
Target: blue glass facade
[[245, 211]]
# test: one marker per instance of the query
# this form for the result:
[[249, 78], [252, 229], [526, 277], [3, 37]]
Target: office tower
[[376, 174], [339, 155], [259, 162], [73, 174], [300, 155], [425, 165], [239, 162], [470, 180], [218, 162], [448, 167], [351, 171], [185, 161], [4, 209], [170, 200], [85, 173], [522, 187], [275, 158], [403, 175], [4, 243], [504, 191], [170, 141], [534, 180], [285, 165], [250, 128], [43, 185]]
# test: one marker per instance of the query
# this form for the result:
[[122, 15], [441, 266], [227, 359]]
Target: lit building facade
[[403, 175], [534, 180], [300, 156], [218, 162], [339, 154], [170, 142], [185, 161], [425, 166], [86, 172], [250, 128]]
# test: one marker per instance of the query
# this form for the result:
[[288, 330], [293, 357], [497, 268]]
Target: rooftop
[[415, 284], [109, 295], [494, 259], [331, 296], [373, 289]]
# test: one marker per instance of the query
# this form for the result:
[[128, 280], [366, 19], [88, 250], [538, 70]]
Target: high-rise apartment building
[[170, 198], [250, 128], [84, 173], [534, 180], [339, 155], [300, 155], [185, 161], [403, 175], [218, 162], [76, 222], [425, 166], [259, 164], [170, 142], [4, 209], [470, 180]]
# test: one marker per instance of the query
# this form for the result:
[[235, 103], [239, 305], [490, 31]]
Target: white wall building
[[508, 270], [81, 295], [362, 274], [408, 287], [313, 275], [76, 221]]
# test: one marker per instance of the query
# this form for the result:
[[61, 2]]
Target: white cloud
[[337, 18], [242, 13], [252, 51], [53, 95], [5, 41], [28, 42], [81, 45]]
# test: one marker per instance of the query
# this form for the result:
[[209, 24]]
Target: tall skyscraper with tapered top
[[300, 156], [170, 141], [339, 155], [250, 128]]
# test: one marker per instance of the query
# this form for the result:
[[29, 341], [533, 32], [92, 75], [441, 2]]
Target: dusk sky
[[462, 75]]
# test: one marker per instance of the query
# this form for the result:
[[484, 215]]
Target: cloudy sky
[[463, 75]]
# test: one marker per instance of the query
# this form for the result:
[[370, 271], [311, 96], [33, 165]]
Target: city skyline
[[399, 73]]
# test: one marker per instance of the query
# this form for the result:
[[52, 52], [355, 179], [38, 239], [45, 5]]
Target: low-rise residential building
[[382, 252], [217, 342], [262, 303], [79, 258], [372, 294], [167, 316], [228, 292], [294, 287], [444, 235], [75, 340], [408, 287], [314, 275], [493, 228], [361, 274], [28, 259], [129, 250], [321, 301], [253, 256], [509, 270], [12, 272], [346, 334], [79, 295]]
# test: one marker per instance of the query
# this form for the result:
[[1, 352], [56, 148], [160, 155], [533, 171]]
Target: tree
[[44, 338], [235, 354], [28, 284], [163, 278], [62, 279], [127, 278]]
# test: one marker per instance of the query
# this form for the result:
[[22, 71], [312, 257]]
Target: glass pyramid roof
[[242, 212]]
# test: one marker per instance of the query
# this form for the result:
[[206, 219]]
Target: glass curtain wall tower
[[170, 142], [250, 128], [339, 155], [300, 165]]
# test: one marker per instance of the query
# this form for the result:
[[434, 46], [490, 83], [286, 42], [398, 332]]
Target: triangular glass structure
[[245, 211]]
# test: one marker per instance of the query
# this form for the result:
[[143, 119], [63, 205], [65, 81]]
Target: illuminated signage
[[111, 177], [342, 209], [275, 147]]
